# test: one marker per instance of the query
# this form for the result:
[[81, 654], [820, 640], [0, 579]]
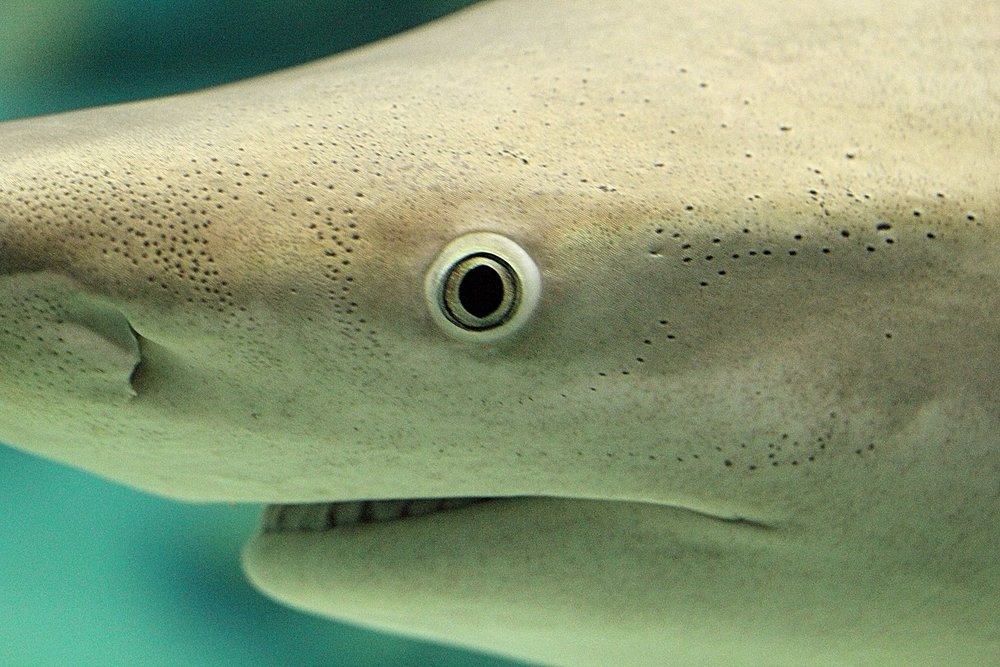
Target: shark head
[[695, 340]]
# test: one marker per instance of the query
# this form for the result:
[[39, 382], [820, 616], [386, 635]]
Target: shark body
[[751, 415]]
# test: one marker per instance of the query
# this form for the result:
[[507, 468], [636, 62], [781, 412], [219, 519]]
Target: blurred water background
[[92, 573]]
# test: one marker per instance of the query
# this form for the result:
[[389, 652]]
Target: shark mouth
[[318, 517]]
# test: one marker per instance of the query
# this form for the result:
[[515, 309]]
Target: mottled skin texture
[[757, 406]]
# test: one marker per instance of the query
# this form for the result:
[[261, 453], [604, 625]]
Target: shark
[[576, 332]]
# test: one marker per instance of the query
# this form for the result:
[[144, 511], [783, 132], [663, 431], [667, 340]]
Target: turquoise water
[[57, 55], [92, 573]]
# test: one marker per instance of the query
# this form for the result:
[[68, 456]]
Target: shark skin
[[754, 418]]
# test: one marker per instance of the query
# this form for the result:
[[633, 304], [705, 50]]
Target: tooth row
[[314, 517]]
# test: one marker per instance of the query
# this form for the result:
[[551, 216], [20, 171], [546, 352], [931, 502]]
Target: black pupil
[[481, 291]]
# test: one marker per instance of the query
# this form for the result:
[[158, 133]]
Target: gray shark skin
[[753, 418]]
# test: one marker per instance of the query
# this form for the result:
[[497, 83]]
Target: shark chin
[[658, 583], [418, 566]]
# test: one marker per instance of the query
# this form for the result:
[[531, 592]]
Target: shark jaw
[[584, 582]]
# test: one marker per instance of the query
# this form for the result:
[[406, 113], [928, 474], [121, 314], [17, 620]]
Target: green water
[[92, 573]]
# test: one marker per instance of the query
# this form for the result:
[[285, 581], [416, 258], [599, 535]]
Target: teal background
[[93, 573], [63, 54]]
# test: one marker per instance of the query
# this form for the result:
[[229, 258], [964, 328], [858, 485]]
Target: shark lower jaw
[[319, 517]]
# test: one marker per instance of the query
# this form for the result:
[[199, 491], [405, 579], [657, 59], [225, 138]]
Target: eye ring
[[480, 292], [482, 287]]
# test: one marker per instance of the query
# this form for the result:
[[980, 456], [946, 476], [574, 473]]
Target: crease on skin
[[753, 419]]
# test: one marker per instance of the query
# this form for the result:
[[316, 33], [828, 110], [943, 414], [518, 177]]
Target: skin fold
[[753, 419]]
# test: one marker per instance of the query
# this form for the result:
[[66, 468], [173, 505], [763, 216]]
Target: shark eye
[[482, 287]]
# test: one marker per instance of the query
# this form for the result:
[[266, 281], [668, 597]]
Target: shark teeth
[[317, 517]]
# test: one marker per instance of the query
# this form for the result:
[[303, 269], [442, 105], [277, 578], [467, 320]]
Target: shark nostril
[[482, 287], [137, 378]]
